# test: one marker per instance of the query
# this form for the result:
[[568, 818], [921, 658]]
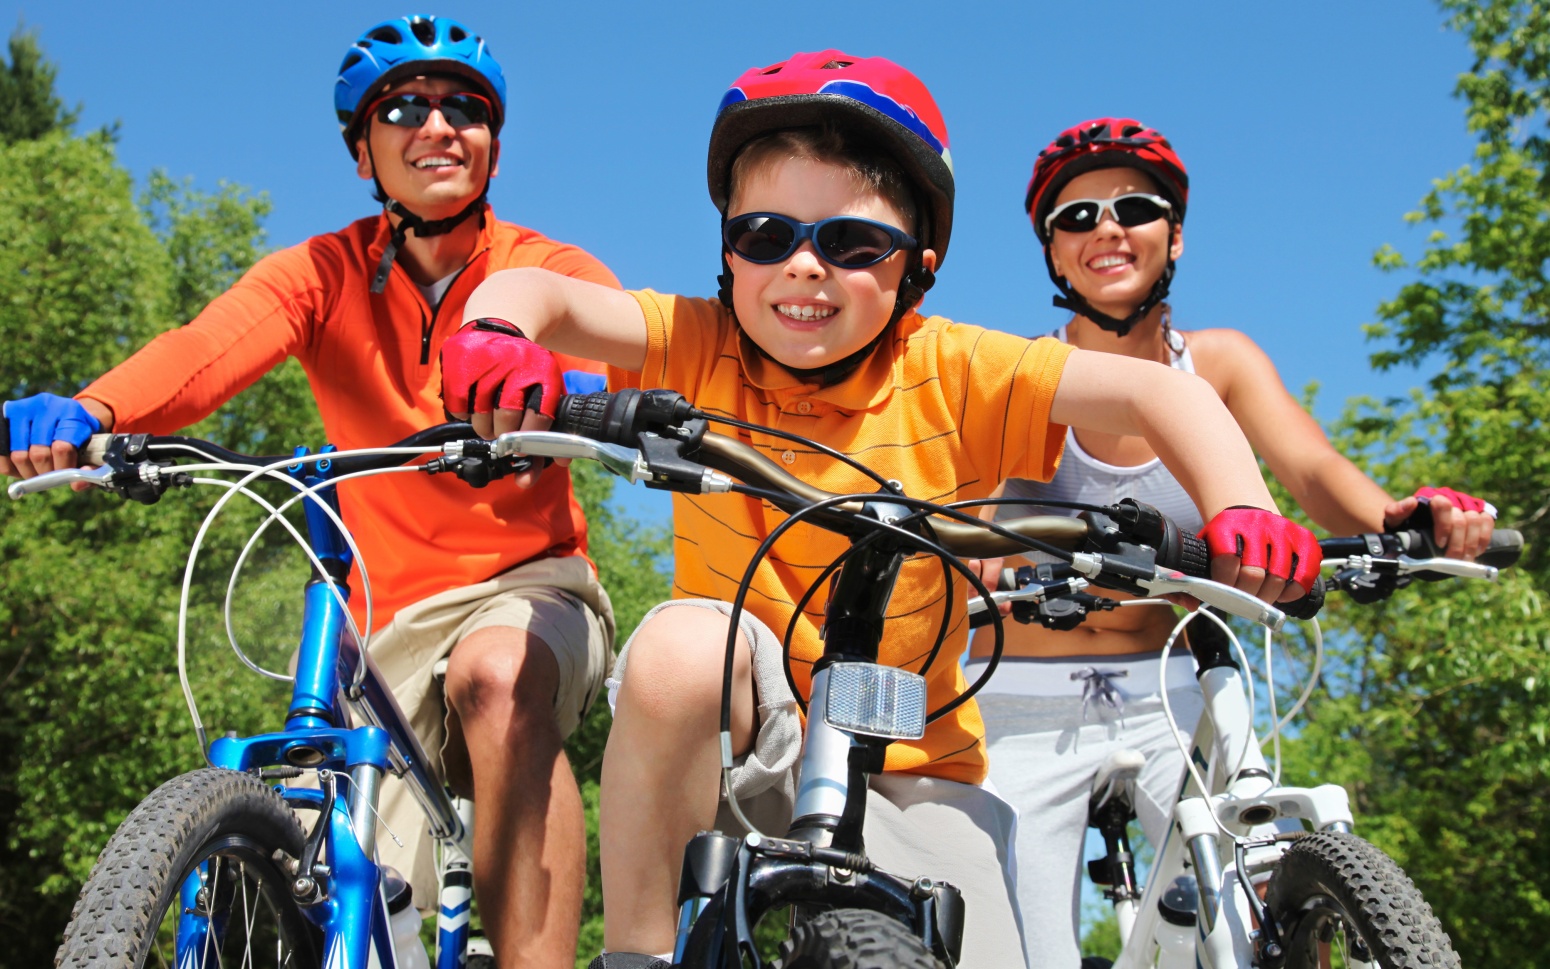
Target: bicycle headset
[[387, 54], [879, 105], [1106, 143]]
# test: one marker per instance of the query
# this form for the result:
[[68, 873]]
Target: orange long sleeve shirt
[[373, 363]]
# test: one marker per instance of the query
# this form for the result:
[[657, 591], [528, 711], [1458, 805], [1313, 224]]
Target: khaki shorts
[[557, 600], [915, 825]]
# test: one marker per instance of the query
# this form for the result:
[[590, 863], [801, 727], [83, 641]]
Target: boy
[[834, 181], [496, 578]]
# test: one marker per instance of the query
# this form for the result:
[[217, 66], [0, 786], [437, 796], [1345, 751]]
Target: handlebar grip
[[583, 414], [1505, 548], [1189, 555], [1308, 606]]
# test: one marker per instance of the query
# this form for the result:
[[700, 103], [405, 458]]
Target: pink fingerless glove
[[489, 364], [1457, 499], [1265, 540]]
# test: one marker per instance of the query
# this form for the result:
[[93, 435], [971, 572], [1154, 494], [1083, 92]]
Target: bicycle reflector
[[878, 701]]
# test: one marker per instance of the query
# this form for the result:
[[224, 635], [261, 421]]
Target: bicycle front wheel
[[192, 867], [850, 938], [1335, 895]]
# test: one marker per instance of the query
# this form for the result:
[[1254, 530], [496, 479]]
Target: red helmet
[[870, 94], [1104, 143]]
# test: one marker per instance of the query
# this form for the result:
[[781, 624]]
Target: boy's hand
[[46, 432], [1461, 524], [989, 571], [499, 381], [1262, 553]]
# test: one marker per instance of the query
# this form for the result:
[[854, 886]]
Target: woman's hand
[[1461, 524]]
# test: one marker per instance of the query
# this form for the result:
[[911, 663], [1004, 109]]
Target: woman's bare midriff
[[1133, 629]]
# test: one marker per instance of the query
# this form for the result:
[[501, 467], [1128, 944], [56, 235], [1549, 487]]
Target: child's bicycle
[[214, 867], [845, 910], [1329, 894]]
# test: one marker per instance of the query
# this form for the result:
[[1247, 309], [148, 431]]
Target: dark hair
[[871, 168]]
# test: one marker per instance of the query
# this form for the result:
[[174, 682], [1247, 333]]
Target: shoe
[[1097, 962], [627, 960]]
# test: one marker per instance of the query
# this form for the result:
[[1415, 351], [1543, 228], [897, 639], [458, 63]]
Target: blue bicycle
[[215, 868]]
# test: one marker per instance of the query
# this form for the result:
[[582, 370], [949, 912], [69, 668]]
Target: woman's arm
[[1324, 483], [564, 314]]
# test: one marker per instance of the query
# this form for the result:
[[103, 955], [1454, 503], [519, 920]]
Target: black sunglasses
[[413, 110], [845, 241], [1083, 215]]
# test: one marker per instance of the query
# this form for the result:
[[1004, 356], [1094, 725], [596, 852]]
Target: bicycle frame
[[1240, 795], [336, 686], [728, 885]]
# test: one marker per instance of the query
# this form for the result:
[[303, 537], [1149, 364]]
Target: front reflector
[[878, 701]]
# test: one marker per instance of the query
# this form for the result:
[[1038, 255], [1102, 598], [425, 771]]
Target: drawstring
[[1099, 686]]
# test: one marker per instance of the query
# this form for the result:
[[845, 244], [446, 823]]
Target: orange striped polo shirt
[[949, 410]]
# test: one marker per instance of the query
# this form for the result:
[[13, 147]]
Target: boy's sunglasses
[[844, 241], [412, 110], [1083, 215]]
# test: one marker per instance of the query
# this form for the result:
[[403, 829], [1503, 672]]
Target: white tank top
[[1082, 477]]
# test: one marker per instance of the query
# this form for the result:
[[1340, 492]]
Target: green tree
[[1438, 719], [29, 108]]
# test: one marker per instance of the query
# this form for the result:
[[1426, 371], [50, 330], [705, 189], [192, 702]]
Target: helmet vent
[[350, 60], [773, 70], [457, 34], [424, 31], [835, 65], [387, 35], [1130, 131]]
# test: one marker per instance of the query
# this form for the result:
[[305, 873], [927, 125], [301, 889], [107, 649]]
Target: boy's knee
[[675, 662]]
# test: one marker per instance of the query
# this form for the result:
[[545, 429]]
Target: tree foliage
[[29, 107], [1439, 718]]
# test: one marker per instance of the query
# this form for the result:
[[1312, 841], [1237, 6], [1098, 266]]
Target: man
[[495, 580]]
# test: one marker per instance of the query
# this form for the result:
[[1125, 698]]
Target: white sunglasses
[[1130, 210]]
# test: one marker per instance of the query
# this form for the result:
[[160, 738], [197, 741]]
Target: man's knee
[[501, 667]]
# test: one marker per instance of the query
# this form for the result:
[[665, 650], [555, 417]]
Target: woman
[[1107, 200]]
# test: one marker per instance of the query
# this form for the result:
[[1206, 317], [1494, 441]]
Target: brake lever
[[1223, 597], [1033, 592], [97, 477], [1458, 567]]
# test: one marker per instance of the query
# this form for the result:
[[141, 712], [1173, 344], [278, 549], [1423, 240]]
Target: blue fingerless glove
[[45, 418]]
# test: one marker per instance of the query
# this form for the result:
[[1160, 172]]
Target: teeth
[[434, 163], [806, 312], [1104, 262]]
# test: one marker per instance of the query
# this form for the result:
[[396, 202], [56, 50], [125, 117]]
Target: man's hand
[[1262, 553], [46, 434], [500, 381], [1461, 524]]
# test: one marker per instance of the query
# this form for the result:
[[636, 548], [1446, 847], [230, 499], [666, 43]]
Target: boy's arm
[[566, 315], [1186, 423], [1180, 416]]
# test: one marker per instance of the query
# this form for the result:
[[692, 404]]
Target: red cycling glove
[[489, 364], [1458, 499], [1265, 540]]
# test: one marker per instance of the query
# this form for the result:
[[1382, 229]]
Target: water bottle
[[1176, 928], [404, 922]]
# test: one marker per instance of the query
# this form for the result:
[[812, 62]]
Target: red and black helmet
[[871, 95], [1104, 143]]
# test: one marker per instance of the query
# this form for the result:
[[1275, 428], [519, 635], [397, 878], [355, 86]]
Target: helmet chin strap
[[912, 290], [1071, 300], [407, 220]]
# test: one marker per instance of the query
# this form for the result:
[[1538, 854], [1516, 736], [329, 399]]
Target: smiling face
[[802, 311], [1112, 267], [435, 170]]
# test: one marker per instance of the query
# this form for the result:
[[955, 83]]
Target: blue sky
[[1309, 131]]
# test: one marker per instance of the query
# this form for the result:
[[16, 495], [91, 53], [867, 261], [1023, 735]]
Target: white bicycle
[[1329, 898]]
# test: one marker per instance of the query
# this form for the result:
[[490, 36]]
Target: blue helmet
[[408, 47]]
